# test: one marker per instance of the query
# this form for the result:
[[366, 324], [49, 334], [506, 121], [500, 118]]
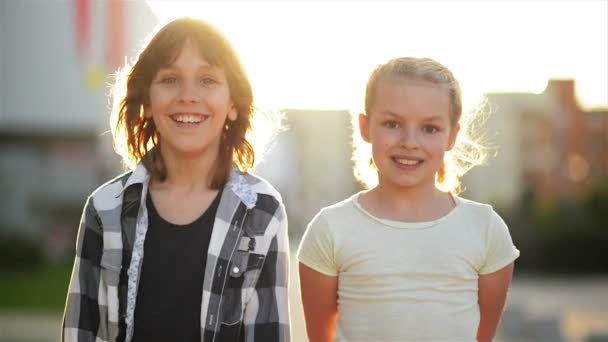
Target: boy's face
[[190, 103], [410, 131]]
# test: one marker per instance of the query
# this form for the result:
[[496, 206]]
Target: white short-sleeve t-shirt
[[403, 281]]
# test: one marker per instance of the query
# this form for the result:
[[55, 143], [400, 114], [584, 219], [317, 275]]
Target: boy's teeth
[[188, 118]]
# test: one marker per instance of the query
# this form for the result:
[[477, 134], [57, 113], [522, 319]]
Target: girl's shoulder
[[337, 211], [471, 205], [483, 213]]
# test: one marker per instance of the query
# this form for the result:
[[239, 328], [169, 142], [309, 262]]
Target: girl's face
[[190, 103], [410, 131]]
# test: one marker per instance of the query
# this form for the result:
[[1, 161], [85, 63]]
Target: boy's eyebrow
[[203, 67]]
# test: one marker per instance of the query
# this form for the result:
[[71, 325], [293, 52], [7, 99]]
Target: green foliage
[[19, 252], [27, 280], [595, 207], [40, 288], [564, 236]]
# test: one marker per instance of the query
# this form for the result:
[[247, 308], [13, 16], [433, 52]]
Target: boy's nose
[[189, 92]]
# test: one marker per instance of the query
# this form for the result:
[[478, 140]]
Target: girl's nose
[[408, 138]]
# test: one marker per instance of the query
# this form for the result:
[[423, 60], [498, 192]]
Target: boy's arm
[[81, 318], [492, 296], [320, 301], [266, 318]]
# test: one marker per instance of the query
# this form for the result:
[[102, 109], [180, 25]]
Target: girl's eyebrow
[[434, 118], [389, 113], [431, 118]]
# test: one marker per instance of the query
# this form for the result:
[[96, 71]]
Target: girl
[[187, 246], [406, 261]]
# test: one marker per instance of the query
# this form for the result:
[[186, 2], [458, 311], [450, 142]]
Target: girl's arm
[[81, 319], [320, 301], [492, 296]]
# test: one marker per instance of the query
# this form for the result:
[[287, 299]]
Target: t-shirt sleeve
[[500, 251], [316, 249]]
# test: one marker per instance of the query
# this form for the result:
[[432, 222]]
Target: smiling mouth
[[188, 118], [407, 161]]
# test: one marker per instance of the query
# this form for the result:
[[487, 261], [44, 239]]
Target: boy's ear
[[453, 135], [147, 112], [232, 114], [364, 126]]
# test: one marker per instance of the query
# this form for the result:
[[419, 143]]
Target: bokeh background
[[541, 66]]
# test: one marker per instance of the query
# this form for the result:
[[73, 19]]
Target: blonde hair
[[467, 152], [135, 137]]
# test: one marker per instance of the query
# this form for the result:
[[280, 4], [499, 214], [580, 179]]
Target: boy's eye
[[430, 129], [391, 124], [169, 80], [208, 81]]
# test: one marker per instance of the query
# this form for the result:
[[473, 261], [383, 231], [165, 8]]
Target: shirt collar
[[139, 176], [237, 183]]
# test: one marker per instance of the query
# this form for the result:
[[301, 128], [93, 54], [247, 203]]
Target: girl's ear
[[232, 114], [453, 135], [364, 126]]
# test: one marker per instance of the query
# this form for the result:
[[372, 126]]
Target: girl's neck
[[407, 204]]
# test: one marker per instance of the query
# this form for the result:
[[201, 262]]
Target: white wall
[[44, 99], [500, 181], [43, 84]]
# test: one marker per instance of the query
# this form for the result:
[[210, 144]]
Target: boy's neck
[[187, 173]]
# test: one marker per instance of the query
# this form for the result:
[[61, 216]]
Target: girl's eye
[[430, 129], [391, 124]]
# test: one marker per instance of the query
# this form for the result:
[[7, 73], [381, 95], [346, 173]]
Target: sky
[[318, 54]]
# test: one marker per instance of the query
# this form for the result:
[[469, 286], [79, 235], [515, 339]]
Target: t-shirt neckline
[[407, 225]]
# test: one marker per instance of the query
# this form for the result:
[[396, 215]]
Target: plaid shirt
[[246, 276]]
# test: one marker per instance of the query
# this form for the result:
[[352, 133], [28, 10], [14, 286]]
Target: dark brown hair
[[135, 136]]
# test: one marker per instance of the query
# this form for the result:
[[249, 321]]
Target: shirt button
[[235, 270]]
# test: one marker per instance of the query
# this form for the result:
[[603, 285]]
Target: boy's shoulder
[[108, 194], [261, 186]]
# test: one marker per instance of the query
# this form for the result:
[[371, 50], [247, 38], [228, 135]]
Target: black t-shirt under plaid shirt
[[169, 297]]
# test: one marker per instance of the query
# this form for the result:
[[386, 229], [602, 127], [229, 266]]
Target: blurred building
[[545, 144], [310, 163], [55, 61]]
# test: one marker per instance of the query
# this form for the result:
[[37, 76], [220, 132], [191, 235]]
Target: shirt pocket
[[257, 222], [244, 271]]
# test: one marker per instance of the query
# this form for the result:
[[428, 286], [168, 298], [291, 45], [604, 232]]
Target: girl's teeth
[[406, 161]]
